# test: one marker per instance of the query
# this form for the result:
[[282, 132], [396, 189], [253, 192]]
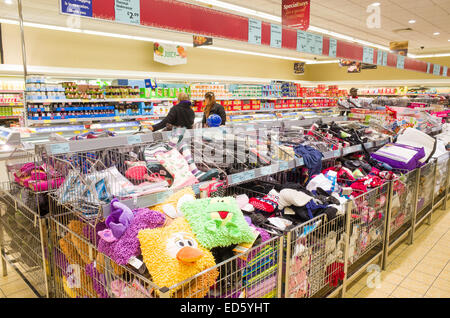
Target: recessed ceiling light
[[8, 1], [412, 21], [375, 4], [436, 33]]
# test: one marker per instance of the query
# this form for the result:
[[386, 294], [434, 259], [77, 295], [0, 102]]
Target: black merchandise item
[[180, 115]]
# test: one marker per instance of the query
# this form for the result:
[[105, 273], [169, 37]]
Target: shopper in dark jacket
[[180, 115], [213, 108]]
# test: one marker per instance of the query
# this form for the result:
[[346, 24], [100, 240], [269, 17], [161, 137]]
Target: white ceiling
[[349, 17]]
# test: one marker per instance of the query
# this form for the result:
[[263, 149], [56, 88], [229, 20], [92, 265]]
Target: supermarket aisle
[[416, 271], [420, 270]]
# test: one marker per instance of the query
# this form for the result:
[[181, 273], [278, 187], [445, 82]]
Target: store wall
[[333, 72], [73, 50], [63, 49]]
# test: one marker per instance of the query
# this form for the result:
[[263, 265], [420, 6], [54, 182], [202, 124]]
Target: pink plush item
[[38, 186], [38, 175], [136, 173]]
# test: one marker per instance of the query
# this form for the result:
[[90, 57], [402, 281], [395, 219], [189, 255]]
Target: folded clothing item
[[312, 158]]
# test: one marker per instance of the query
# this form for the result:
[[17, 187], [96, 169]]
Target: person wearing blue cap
[[213, 108]]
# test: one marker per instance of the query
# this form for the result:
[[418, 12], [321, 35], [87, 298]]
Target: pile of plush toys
[[176, 240]]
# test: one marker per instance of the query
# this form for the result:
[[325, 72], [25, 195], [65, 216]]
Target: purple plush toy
[[117, 222], [98, 280], [128, 245]]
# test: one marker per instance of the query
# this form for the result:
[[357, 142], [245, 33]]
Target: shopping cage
[[81, 270], [427, 181], [441, 184], [24, 220], [315, 257], [402, 209]]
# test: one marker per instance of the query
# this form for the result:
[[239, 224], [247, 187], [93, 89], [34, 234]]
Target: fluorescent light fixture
[[412, 21], [241, 10], [433, 55], [375, 4], [436, 33], [8, 1]]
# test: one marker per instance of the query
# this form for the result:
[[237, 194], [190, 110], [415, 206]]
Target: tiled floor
[[12, 286], [419, 270]]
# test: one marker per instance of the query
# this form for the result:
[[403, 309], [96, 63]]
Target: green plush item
[[217, 222]]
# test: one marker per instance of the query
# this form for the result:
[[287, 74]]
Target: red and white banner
[[296, 13]]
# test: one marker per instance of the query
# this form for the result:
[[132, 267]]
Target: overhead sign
[[202, 40], [169, 54], [77, 7], [400, 47], [296, 13], [299, 68]]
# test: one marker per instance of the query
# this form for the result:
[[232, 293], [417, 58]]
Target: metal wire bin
[[315, 258], [426, 191], [81, 270], [442, 171], [367, 229], [23, 222]]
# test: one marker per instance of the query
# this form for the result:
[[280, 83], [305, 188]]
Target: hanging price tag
[[254, 31], [276, 32], [368, 55], [400, 61], [333, 48], [128, 11]]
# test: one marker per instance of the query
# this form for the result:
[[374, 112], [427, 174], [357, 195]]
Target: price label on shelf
[[428, 67], [242, 177], [254, 31], [265, 171], [333, 48], [400, 61], [385, 58], [284, 166], [445, 71], [436, 69], [136, 139], [128, 11], [368, 55], [379, 57], [47, 121], [301, 41], [276, 33], [57, 149], [299, 162], [72, 120]]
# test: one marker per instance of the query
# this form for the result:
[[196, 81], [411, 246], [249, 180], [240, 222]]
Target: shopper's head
[[183, 97], [210, 98], [210, 101], [354, 92]]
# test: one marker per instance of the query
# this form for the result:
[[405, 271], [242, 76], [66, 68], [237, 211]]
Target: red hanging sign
[[296, 13]]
